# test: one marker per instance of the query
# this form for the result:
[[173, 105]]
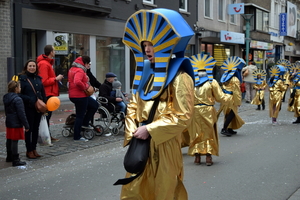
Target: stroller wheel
[[65, 132], [99, 130], [115, 131], [88, 134]]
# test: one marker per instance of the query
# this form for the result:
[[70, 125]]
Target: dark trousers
[[85, 107], [228, 119], [31, 136], [12, 146], [48, 117]]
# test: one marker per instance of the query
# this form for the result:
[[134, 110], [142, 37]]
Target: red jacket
[[48, 75], [78, 80]]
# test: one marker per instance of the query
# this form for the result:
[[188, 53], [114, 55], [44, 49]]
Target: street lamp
[[247, 18]]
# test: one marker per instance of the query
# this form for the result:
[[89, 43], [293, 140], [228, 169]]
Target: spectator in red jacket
[[49, 79], [85, 105]]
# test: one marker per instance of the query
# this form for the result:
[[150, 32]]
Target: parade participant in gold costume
[[231, 81], [259, 86], [286, 76], [293, 68], [276, 88], [203, 133], [159, 34], [295, 96]]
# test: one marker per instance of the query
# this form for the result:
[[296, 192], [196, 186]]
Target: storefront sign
[[232, 37], [237, 8], [261, 45], [282, 24], [61, 43]]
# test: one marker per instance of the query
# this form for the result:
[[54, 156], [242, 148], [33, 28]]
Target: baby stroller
[[68, 129]]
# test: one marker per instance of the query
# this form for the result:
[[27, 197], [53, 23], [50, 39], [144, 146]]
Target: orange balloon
[[53, 103]]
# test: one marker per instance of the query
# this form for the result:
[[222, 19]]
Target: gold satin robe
[[275, 98], [260, 93], [296, 104], [233, 85], [163, 174], [292, 84], [203, 129], [286, 80]]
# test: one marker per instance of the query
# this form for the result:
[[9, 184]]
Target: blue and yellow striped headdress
[[169, 33], [232, 65], [294, 67], [202, 62], [258, 72], [275, 71], [283, 62]]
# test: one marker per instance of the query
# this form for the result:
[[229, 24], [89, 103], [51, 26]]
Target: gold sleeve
[[176, 113], [218, 94]]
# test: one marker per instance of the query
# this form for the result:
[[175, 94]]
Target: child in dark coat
[[15, 121]]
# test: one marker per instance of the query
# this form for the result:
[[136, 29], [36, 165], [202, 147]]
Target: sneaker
[[88, 127], [247, 101], [274, 123], [82, 139], [107, 134], [54, 139]]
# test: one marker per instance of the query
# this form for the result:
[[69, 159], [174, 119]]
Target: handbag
[[137, 153], [40, 105], [89, 91], [44, 135]]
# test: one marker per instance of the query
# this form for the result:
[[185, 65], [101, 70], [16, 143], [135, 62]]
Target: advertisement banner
[[282, 24], [234, 9], [232, 37], [291, 19], [61, 43]]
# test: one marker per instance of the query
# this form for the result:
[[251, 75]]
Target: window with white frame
[[208, 9], [183, 5], [276, 14], [221, 10], [148, 1], [262, 20], [233, 17]]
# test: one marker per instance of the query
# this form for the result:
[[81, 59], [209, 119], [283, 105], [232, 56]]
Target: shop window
[[232, 17], [110, 57], [77, 45]]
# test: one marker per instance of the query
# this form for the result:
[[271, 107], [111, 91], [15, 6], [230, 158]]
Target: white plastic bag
[[44, 135]]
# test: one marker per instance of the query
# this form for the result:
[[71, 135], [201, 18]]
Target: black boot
[[231, 131], [9, 156], [258, 107], [225, 132], [297, 121], [263, 106], [16, 161]]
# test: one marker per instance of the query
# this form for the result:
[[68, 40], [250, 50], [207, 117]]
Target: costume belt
[[202, 104], [297, 87], [227, 92]]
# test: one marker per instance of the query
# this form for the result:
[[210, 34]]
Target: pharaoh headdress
[[285, 63], [275, 71], [262, 74], [169, 33], [232, 65], [202, 62], [294, 67]]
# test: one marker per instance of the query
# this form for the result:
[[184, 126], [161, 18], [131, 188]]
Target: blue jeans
[[85, 110], [122, 106]]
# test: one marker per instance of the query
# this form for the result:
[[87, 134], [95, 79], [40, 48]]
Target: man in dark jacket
[[106, 88]]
